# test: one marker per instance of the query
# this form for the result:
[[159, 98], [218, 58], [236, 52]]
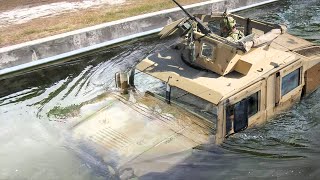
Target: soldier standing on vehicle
[[228, 29]]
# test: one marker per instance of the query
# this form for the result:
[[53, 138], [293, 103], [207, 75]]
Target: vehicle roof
[[211, 86]]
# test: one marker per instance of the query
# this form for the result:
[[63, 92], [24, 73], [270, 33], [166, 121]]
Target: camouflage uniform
[[235, 36], [232, 33]]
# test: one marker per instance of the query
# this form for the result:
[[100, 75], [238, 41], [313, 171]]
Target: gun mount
[[206, 49]]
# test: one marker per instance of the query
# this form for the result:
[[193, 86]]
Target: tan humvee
[[215, 88], [247, 81]]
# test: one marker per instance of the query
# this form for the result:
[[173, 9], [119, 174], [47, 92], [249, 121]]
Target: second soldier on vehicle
[[229, 30]]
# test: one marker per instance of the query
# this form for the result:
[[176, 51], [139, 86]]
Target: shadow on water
[[36, 109]]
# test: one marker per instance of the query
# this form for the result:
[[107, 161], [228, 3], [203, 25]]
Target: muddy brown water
[[37, 109]]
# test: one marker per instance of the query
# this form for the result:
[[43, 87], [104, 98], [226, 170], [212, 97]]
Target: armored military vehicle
[[239, 83], [200, 91]]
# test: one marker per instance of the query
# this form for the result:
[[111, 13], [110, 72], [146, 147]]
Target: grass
[[30, 31], [64, 112], [43, 27], [73, 110]]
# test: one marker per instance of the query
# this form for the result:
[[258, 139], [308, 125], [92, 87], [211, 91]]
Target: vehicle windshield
[[188, 101]]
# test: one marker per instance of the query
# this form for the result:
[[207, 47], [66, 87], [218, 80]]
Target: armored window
[[237, 114], [207, 51], [290, 82], [253, 104], [190, 102], [194, 103]]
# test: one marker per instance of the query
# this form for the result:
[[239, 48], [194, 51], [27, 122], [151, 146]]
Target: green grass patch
[[65, 112]]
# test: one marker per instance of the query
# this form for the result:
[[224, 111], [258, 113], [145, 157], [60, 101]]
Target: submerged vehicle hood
[[141, 128]]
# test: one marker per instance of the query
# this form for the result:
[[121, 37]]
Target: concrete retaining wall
[[68, 44]]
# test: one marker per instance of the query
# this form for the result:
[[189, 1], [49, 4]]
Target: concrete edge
[[54, 59]]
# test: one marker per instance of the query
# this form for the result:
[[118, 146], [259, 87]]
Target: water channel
[[38, 108]]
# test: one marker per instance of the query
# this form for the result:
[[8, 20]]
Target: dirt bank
[[12, 4], [23, 14], [25, 20]]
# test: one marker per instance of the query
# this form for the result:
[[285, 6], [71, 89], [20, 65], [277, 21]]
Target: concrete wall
[[68, 44]]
